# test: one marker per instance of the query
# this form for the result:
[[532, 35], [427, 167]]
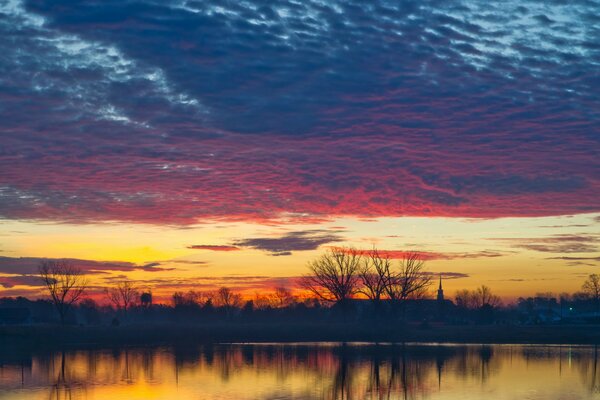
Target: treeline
[[280, 306], [343, 284], [183, 308], [335, 281]]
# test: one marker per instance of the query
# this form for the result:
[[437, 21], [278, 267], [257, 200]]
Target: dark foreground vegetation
[[53, 337]]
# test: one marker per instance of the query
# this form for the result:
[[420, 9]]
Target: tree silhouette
[[591, 287], [228, 300], [463, 299], [373, 275], [123, 295], [483, 296], [334, 276], [282, 297], [410, 281], [65, 284], [225, 297]]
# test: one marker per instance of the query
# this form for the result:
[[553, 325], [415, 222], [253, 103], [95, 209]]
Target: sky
[[190, 144]]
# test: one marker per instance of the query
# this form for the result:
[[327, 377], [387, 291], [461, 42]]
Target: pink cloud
[[213, 247], [313, 178], [428, 255]]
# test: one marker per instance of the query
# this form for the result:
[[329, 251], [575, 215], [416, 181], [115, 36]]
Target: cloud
[[428, 255], [560, 243], [297, 111], [577, 260], [448, 275], [213, 247], [292, 241], [580, 263], [192, 262], [30, 265], [565, 226], [8, 282]]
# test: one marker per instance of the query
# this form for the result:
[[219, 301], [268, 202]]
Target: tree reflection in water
[[326, 372], [64, 383]]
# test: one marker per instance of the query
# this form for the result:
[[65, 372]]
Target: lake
[[305, 371]]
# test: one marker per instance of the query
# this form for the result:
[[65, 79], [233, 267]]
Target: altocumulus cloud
[[174, 112]]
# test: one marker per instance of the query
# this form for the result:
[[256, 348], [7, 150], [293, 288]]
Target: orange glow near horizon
[[514, 256]]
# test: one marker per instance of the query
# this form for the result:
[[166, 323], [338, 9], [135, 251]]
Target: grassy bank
[[49, 336]]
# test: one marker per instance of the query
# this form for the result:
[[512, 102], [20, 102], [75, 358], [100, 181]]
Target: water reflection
[[326, 372]]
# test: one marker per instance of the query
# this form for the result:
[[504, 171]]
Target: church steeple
[[440, 292]]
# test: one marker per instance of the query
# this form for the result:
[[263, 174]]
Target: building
[[441, 302], [440, 292]]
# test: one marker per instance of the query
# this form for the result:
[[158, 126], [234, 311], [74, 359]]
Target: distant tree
[[410, 281], [179, 299], [228, 300], [565, 297], [225, 297], [65, 284], [463, 299], [483, 296], [208, 307], [580, 297], [248, 309], [282, 297], [373, 275], [263, 301], [591, 287], [189, 299], [123, 295], [546, 296], [545, 300]]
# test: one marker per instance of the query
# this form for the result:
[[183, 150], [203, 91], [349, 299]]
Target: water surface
[[305, 371]]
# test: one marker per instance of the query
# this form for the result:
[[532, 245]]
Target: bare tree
[[64, 282], [225, 297], [282, 297], [483, 296], [262, 301], [373, 274], [410, 281], [333, 277], [463, 298], [190, 299], [123, 295], [591, 287], [228, 300]]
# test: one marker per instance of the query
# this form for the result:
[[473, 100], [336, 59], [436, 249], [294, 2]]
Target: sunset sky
[[195, 144]]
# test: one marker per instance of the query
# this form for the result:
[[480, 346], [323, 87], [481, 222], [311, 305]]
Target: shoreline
[[52, 336]]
